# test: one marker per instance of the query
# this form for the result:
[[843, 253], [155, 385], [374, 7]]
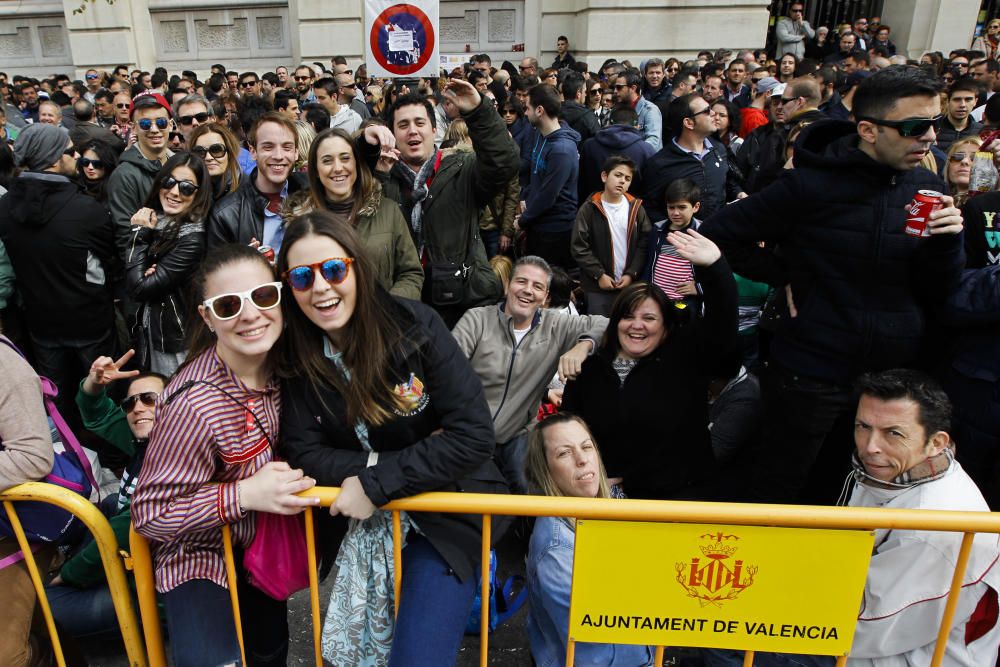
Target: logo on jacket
[[717, 577], [413, 397]]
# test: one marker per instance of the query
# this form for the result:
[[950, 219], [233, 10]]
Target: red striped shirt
[[201, 445], [670, 270]]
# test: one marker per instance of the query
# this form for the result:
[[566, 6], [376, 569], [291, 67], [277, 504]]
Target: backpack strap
[[507, 603]]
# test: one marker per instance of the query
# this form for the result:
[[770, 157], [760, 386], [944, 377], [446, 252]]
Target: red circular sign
[[409, 16]]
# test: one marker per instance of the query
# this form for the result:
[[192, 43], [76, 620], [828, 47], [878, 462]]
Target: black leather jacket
[[239, 216]]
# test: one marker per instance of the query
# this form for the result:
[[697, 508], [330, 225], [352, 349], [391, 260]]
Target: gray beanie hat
[[40, 146]]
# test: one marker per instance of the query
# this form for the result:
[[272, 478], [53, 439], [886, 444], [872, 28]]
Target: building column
[[919, 26], [104, 35]]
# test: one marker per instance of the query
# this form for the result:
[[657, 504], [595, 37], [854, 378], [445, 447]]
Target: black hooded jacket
[[864, 290], [61, 244]]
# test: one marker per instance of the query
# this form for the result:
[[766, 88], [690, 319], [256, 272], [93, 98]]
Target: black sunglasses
[[85, 162], [122, 105], [70, 152], [707, 109], [200, 117], [248, 84], [301, 78], [215, 150], [911, 127], [186, 188], [958, 157], [148, 399]]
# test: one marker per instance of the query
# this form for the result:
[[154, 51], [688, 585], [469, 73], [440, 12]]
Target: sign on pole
[[788, 590], [401, 38]]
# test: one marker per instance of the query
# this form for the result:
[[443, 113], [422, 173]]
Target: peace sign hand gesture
[[105, 370]]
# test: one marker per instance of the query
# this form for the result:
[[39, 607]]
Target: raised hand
[[106, 370], [695, 248], [463, 95]]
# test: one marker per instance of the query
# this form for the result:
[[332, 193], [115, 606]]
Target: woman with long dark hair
[[97, 162], [210, 463], [166, 243], [643, 392], [219, 150], [341, 182], [380, 401]]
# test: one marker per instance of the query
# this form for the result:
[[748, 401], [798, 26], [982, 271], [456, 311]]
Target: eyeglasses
[[85, 162], [596, 91], [215, 150], [956, 64], [786, 100], [248, 84], [333, 270], [619, 86], [91, 77], [301, 78], [230, 305], [122, 105], [200, 117], [349, 85], [911, 127], [694, 114], [70, 152], [186, 188], [959, 157], [145, 124], [148, 399]]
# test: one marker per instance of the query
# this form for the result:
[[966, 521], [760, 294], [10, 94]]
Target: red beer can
[[918, 212], [268, 252]]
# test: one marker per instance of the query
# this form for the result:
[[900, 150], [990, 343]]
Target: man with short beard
[[303, 81]]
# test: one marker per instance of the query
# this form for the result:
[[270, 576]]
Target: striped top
[[670, 270], [201, 445]]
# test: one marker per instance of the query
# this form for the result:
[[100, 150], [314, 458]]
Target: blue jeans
[[202, 632], [491, 240], [715, 657], [84, 612], [434, 609], [509, 457]]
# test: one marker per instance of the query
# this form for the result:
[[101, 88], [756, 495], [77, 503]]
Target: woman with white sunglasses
[[209, 464]]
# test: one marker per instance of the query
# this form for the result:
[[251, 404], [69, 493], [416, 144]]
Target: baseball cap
[[767, 84], [147, 99], [778, 90]]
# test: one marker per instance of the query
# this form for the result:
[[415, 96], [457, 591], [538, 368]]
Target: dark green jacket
[[462, 186]]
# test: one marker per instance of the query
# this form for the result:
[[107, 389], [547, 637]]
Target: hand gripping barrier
[[115, 562], [785, 516]]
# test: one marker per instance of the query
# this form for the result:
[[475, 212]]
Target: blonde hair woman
[[958, 171], [989, 40]]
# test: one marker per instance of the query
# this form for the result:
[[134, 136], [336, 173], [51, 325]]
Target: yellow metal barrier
[[784, 516], [114, 561]]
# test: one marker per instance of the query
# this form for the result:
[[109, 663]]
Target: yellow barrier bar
[[313, 583], [570, 652], [748, 659], [397, 561], [658, 658], [788, 516], [142, 568], [842, 661], [484, 592], [107, 545], [949, 607], [36, 580], [234, 596]]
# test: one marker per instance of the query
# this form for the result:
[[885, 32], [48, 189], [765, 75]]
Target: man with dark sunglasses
[[347, 95], [190, 112], [858, 290], [131, 182]]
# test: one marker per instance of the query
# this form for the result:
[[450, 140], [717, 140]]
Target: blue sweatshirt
[[550, 197]]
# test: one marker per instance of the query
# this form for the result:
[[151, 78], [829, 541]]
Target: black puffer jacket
[[718, 184], [239, 216], [863, 288], [444, 443], [581, 119]]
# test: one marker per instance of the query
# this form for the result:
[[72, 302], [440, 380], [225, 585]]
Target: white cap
[[778, 90]]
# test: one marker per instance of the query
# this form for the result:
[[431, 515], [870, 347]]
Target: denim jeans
[[202, 632], [491, 241], [434, 609], [84, 612], [509, 457], [714, 657]]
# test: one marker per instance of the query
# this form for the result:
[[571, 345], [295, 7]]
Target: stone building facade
[[40, 37]]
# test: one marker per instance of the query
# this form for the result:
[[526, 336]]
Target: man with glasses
[[249, 84], [129, 185], [62, 248], [528, 67], [800, 102], [93, 81], [626, 90], [858, 290], [860, 29], [792, 32], [690, 152], [303, 80], [656, 85], [190, 112], [958, 122], [347, 95]]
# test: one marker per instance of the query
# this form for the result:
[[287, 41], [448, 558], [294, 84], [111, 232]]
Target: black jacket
[[162, 294], [444, 444], [62, 247], [761, 157], [718, 184], [653, 430], [581, 119], [239, 216], [613, 140], [862, 287]]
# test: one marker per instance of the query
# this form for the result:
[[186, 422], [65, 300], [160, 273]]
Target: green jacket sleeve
[[408, 278], [103, 417], [85, 570]]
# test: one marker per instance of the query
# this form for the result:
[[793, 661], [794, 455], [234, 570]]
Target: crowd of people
[[662, 279]]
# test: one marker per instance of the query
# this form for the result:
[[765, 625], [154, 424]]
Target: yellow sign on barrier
[[789, 590]]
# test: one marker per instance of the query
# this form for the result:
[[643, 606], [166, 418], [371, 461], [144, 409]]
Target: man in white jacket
[[793, 31], [905, 459]]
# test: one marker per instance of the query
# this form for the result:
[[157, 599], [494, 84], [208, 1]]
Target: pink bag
[[276, 561]]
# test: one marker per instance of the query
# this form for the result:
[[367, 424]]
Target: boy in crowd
[[609, 237], [664, 267]]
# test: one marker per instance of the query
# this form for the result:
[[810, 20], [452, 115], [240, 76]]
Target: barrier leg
[[658, 658], [313, 584], [949, 607], [397, 560], [142, 566], [234, 596], [36, 580], [484, 593], [570, 652], [748, 659], [842, 661]]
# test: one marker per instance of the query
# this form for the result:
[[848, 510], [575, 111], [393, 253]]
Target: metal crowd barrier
[[784, 516], [115, 561]]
